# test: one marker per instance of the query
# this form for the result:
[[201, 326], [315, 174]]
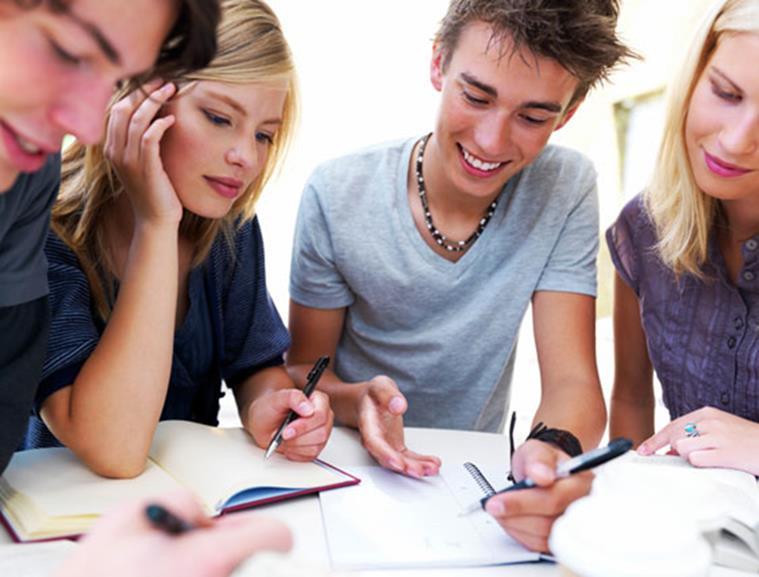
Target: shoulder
[[559, 162], [633, 224], [377, 164]]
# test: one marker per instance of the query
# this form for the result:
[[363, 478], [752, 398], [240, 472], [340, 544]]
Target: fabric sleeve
[[571, 266], [620, 238], [23, 268], [74, 333], [23, 340], [254, 335], [315, 280]]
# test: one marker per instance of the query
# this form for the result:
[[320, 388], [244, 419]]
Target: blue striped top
[[231, 330]]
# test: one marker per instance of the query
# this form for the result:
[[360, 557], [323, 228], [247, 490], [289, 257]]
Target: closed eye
[[265, 138], [473, 99], [724, 94], [64, 55], [216, 119], [533, 120]]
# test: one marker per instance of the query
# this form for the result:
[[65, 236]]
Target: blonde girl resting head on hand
[[156, 261]]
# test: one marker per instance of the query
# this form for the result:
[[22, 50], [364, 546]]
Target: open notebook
[[395, 522], [49, 493]]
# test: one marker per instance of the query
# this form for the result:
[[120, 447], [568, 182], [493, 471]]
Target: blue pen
[[583, 462]]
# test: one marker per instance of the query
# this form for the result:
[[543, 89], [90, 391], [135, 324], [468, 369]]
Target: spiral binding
[[480, 479]]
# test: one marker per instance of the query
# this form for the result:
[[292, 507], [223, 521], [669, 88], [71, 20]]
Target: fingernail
[[396, 404], [288, 433], [495, 508], [305, 408], [643, 450], [539, 469], [393, 464]]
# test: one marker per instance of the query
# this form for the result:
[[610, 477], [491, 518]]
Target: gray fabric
[[446, 332], [24, 221]]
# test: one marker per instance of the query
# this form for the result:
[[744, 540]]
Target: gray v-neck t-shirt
[[445, 331]]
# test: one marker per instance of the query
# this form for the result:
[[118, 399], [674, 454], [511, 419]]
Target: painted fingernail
[[288, 433]]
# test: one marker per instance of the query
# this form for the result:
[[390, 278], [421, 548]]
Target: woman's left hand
[[720, 440], [306, 436]]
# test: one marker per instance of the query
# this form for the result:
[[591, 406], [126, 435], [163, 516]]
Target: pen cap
[[617, 536]]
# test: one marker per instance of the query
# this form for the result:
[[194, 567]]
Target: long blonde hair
[[682, 213], [251, 49]]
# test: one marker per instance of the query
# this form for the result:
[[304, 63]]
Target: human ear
[[569, 114], [436, 67]]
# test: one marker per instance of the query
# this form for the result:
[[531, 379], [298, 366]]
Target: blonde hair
[[251, 49], [683, 214]]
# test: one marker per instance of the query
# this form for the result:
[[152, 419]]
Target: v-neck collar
[[414, 235]]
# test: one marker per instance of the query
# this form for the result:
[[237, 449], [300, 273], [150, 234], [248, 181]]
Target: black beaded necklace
[[439, 237]]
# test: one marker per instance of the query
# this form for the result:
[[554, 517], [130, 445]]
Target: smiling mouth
[[478, 163], [722, 168]]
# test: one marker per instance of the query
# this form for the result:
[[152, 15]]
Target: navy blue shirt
[[231, 329]]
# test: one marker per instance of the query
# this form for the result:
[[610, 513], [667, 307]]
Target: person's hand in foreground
[[125, 544]]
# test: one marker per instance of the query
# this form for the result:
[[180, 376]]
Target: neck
[[442, 195], [741, 218]]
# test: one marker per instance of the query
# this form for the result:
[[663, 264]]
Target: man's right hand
[[380, 423]]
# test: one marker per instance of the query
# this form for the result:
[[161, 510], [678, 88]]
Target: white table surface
[[303, 515]]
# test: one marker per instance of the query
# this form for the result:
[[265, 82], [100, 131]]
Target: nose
[[493, 134], [80, 111], [741, 136], [243, 154]]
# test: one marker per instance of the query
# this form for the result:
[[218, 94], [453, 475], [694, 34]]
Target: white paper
[[33, 560], [392, 521]]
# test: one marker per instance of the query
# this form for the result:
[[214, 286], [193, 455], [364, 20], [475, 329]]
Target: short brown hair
[[578, 34]]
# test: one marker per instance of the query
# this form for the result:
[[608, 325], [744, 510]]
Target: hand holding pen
[[528, 515], [311, 381]]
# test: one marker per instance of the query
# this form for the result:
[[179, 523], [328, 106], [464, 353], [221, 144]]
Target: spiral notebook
[[394, 522]]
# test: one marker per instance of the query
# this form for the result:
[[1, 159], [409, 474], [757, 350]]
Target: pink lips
[[226, 187], [22, 159], [723, 169]]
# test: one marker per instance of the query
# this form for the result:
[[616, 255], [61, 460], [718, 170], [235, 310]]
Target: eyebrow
[[237, 106], [554, 107], [97, 35], [724, 77]]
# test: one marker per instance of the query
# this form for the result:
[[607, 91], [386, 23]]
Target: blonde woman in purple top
[[687, 260]]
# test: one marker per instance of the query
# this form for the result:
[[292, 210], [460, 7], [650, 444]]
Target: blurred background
[[364, 75]]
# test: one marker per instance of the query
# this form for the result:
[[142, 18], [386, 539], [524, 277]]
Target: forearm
[[344, 397], [117, 398], [631, 418], [577, 409], [258, 384]]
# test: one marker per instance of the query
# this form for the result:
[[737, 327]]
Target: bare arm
[[375, 407], [109, 414], [571, 399], [632, 398]]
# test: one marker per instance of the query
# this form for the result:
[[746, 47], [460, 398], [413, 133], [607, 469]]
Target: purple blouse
[[702, 334]]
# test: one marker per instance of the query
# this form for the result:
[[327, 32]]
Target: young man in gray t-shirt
[[414, 262]]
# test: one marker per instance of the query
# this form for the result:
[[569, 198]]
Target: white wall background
[[363, 69]]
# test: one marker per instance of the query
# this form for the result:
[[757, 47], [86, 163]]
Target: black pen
[[583, 462], [313, 377], [161, 518]]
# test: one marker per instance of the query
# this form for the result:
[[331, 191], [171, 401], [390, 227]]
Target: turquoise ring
[[691, 430]]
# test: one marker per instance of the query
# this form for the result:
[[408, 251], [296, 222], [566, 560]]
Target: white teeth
[[27, 146], [479, 164]]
